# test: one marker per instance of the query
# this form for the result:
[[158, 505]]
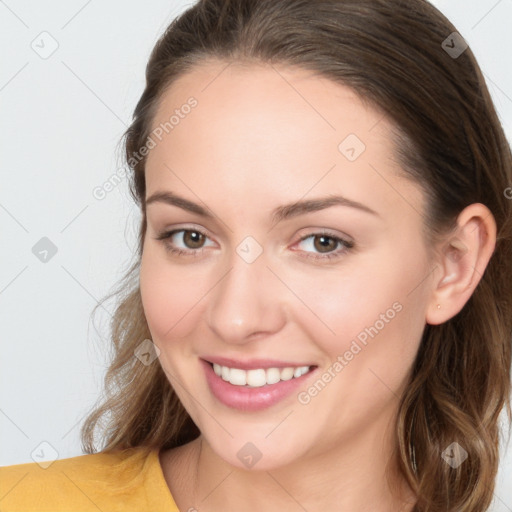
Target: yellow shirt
[[127, 480]]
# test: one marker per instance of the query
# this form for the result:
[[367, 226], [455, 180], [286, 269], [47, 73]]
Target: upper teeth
[[259, 377]]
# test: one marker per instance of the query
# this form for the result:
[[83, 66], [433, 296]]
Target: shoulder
[[117, 465], [104, 480]]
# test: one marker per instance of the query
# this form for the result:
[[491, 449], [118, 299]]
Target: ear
[[462, 260]]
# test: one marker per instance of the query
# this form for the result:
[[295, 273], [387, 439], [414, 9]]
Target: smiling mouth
[[259, 377]]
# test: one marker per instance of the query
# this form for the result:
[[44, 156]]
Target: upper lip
[[253, 363]]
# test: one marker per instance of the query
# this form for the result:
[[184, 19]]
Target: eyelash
[[348, 245]]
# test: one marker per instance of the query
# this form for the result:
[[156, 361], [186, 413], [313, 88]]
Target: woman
[[320, 314]]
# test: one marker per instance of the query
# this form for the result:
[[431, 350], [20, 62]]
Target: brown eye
[[193, 239], [184, 242], [324, 246], [325, 243]]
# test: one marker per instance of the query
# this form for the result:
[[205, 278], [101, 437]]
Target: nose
[[247, 303]]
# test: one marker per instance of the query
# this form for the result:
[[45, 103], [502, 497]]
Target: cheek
[[172, 298], [377, 324], [370, 300]]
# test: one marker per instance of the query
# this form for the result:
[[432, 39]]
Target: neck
[[352, 475]]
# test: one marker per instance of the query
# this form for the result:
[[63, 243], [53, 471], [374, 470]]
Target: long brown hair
[[449, 140]]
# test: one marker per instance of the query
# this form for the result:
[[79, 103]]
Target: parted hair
[[448, 140]]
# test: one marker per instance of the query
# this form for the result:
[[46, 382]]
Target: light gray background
[[61, 120]]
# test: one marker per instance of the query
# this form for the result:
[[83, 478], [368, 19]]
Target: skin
[[261, 137]]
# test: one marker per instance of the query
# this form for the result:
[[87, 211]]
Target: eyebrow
[[279, 214]]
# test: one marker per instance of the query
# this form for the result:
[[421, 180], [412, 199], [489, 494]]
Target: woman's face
[[272, 275]]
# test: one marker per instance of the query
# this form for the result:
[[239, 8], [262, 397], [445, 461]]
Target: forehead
[[248, 95], [272, 131]]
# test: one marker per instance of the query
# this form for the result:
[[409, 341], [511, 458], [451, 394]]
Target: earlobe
[[463, 258]]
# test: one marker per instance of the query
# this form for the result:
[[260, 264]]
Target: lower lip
[[248, 398]]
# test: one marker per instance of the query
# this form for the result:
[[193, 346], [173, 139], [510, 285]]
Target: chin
[[252, 453]]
